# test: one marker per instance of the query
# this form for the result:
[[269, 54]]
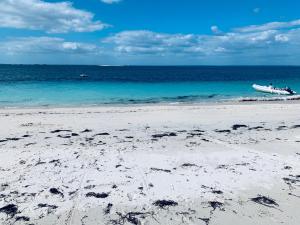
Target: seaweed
[[165, 203], [108, 208], [23, 218], [169, 134], [238, 126], [263, 200], [162, 170], [58, 131], [216, 205], [10, 210], [55, 191], [97, 195]]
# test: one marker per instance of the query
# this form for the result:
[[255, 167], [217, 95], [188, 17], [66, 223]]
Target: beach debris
[[90, 187], [168, 134], [205, 220], [281, 128], [291, 179], [55, 191], [238, 126], [97, 195], [161, 170], [256, 128], [131, 217], [108, 208], [22, 218], [86, 131], [189, 165], [216, 205], [58, 131], [101, 134], [64, 136], [263, 200], [42, 205], [223, 131], [217, 192], [10, 210], [165, 203]]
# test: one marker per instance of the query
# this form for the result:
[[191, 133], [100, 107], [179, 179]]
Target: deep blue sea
[[45, 85]]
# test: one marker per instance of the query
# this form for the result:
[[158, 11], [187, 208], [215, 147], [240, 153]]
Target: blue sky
[[150, 32]]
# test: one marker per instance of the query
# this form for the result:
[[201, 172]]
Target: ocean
[[50, 85]]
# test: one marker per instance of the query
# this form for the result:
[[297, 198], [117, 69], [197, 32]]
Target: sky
[[150, 32]]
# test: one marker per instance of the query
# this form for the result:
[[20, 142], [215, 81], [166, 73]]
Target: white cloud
[[260, 42], [269, 26], [215, 29], [256, 10], [46, 45], [110, 1], [59, 17]]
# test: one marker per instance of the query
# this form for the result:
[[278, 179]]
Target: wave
[[153, 100]]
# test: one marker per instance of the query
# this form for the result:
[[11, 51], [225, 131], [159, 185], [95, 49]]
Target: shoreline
[[140, 105]]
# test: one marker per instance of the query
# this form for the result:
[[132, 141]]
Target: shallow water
[[23, 86]]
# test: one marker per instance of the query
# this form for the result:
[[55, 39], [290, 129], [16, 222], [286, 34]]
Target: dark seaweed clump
[[10, 210], [263, 200], [238, 126], [97, 195], [165, 203]]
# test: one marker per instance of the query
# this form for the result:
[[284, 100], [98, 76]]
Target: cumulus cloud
[[110, 1], [46, 45], [269, 26], [58, 17], [260, 42]]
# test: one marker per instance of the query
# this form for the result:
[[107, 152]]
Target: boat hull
[[271, 90]]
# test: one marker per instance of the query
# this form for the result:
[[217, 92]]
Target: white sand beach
[[199, 164]]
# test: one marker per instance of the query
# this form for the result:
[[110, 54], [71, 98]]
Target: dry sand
[[202, 164]]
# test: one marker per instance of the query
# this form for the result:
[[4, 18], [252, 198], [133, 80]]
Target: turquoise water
[[63, 87]]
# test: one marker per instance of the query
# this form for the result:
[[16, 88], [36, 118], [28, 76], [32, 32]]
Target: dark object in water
[[97, 195], [108, 208], [55, 191], [237, 126], [165, 203], [263, 200], [162, 170], [295, 126], [10, 210]]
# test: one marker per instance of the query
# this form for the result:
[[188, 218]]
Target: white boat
[[273, 90], [83, 75]]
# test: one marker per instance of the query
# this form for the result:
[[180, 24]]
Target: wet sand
[[201, 164]]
